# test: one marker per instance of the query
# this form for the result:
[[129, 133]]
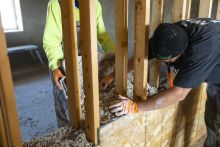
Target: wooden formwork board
[[88, 32], [7, 98], [142, 18], [71, 61], [156, 19], [121, 50]]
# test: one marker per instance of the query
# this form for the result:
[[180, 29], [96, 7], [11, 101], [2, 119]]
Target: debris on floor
[[68, 136], [63, 137]]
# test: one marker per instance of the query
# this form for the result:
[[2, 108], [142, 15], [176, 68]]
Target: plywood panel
[[127, 131]]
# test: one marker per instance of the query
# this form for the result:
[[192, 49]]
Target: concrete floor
[[34, 98]]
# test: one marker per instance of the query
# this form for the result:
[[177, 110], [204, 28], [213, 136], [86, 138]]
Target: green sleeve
[[52, 40], [103, 36]]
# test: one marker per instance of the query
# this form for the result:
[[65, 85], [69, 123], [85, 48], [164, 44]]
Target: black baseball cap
[[168, 41]]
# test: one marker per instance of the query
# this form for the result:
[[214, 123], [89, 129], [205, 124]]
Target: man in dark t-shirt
[[192, 47]]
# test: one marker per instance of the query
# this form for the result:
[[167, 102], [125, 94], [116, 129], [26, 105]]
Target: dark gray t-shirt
[[201, 60]]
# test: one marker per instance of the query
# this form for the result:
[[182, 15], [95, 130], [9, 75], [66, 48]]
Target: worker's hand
[[57, 74], [105, 82], [125, 106]]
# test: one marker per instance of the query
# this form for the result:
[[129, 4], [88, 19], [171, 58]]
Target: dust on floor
[[71, 137]]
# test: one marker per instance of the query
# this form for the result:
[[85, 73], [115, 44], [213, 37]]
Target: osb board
[[177, 125], [131, 130]]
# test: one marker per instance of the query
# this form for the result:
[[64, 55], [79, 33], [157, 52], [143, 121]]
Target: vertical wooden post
[[218, 11], [3, 139], [142, 18], [205, 8], [7, 99], [156, 19], [121, 52], [179, 10], [188, 9], [71, 61], [90, 66]]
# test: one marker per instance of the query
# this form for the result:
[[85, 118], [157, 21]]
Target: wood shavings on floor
[[67, 136]]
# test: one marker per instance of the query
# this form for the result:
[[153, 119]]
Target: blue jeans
[[212, 116], [61, 105]]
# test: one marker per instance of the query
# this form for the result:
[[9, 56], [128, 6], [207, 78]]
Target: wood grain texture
[[142, 19], [179, 10], [71, 61], [3, 139], [90, 67], [7, 98], [177, 127], [205, 8], [218, 11], [121, 50], [156, 19]]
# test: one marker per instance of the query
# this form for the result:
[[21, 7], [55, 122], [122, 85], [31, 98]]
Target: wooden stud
[[7, 98], [218, 11], [3, 139], [142, 18], [179, 10], [188, 9], [205, 8], [71, 61], [121, 50], [90, 66], [156, 19]]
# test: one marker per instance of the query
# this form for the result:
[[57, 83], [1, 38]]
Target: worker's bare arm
[[163, 99]]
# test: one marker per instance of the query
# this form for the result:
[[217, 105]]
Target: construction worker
[[52, 43], [192, 47]]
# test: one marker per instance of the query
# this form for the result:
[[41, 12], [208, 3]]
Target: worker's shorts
[[212, 116]]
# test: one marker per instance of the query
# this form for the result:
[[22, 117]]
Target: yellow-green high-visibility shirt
[[52, 40]]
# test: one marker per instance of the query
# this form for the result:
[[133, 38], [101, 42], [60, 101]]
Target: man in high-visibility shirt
[[52, 43]]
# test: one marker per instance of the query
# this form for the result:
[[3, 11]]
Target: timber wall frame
[[145, 23]]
